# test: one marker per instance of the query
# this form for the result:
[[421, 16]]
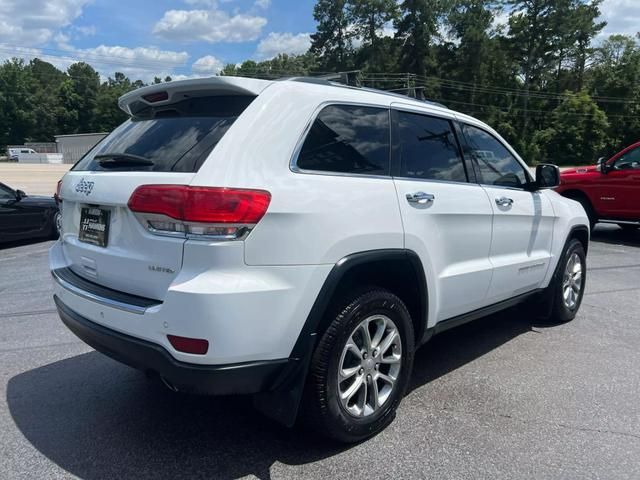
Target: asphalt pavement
[[499, 398]]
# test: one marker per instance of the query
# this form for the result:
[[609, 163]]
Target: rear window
[[171, 138], [348, 139]]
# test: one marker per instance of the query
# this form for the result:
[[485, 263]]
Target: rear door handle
[[504, 201], [421, 198]]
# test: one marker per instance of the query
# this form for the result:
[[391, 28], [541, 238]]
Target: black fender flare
[[282, 401]]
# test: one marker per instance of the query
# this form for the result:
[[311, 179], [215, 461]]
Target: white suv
[[298, 240]]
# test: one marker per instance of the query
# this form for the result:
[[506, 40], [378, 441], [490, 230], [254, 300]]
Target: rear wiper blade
[[117, 159]]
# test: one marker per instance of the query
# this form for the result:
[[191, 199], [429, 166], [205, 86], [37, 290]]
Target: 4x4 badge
[[84, 187]]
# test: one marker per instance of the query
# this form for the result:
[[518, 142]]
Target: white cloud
[[622, 17], [34, 22], [10, 51], [290, 43], [86, 30], [264, 4], [203, 3], [137, 63], [208, 25], [207, 65], [142, 63]]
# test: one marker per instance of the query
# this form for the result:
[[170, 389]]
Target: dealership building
[[73, 147]]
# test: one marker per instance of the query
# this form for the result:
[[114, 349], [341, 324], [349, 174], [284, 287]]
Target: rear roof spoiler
[[171, 92]]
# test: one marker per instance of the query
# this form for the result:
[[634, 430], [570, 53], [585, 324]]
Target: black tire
[[322, 408], [560, 312], [628, 228], [588, 208]]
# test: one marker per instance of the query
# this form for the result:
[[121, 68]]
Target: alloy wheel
[[369, 366]]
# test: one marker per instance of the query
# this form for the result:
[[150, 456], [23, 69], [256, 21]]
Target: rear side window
[[428, 148], [171, 138], [348, 139]]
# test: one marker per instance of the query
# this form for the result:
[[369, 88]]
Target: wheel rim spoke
[[353, 389], [346, 373], [375, 395], [387, 379], [388, 341], [362, 398], [366, 336], [353, 348], [393, 358], [381, 326]]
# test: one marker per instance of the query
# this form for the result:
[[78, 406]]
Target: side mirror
[[602, 165], [547, 176], [20, 194]]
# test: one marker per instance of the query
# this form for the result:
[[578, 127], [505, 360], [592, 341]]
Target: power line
[[386, 77]]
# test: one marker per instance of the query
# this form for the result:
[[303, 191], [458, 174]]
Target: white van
[[14, 153]]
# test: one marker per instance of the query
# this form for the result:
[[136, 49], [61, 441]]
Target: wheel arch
[[581, 233], [398, 270]]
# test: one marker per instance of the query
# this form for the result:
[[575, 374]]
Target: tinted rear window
[[173, 138], [348, 139], [428, 148]]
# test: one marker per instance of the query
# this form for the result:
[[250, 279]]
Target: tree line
[[543, 77]]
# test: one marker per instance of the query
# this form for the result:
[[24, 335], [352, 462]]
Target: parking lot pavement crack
[[541, 421]]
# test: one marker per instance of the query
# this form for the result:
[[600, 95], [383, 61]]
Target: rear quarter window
[[171, 138], [348, 139]]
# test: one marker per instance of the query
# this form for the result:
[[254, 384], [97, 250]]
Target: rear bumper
[[238, 378]]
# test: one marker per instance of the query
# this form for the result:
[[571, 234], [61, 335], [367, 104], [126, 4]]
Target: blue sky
[[181, 38]]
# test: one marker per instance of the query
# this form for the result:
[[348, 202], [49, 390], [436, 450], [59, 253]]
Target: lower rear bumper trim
[[238, 378]]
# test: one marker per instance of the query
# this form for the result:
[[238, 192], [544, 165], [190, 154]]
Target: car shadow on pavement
[[454, 348], [98, 419], [616, 236]]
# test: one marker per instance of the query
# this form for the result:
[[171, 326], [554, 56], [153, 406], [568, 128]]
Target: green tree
[[577, 133], [585, 24], [107, 114], [45, 79], [368, 18], [17, 115], [331, 43], [615, 79], [416, 28], [531, 38], [470, 23], [85, 83]]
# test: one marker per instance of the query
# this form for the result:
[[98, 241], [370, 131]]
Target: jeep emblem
[[84, 187]]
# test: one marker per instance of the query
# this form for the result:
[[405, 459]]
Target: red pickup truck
[[608, 191]]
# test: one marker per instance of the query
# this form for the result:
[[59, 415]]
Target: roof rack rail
[[333, 80]]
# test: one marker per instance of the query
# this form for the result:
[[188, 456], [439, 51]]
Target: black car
[[25, 217]]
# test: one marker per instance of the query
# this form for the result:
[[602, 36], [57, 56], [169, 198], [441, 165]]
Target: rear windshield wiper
[[117, 159]]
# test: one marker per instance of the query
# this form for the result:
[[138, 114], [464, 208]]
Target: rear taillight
[[223, 213]]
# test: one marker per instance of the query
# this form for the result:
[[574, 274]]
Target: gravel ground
[[499, 398]]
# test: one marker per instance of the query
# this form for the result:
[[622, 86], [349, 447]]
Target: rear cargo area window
[[348, 139], [169, 138]]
